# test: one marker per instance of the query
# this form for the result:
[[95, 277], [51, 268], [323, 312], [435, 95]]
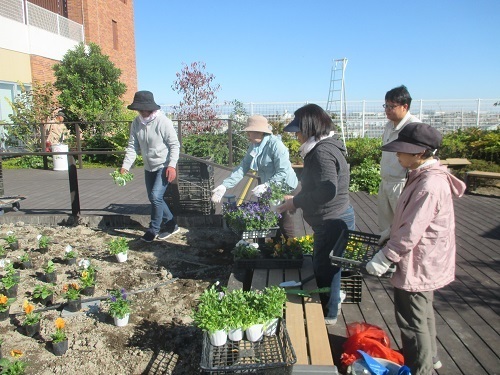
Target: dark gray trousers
[[415, 318]]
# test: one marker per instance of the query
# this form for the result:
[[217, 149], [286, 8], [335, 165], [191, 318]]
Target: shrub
[[365, 177], [215, 146], [360, 149]]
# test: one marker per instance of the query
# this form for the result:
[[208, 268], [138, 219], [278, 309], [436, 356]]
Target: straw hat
[[258, 123]]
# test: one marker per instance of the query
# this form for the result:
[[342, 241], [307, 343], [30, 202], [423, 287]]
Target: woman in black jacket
[[324, 196]]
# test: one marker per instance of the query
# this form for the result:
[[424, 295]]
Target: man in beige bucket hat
[[268, 156]]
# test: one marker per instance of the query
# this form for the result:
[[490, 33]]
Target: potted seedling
[[119, 248], [44, 294], [87, 280], [43, 243], [69, 255], [50, 272], [31, 320], [10, 281], [3, 252], [5, 303], [254, 320], [209, 315], [236, 305], [273, 303], [72, 294], [119, 306], [26, 261], [59, 338], [12, 240]]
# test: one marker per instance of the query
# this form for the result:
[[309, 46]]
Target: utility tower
[[336, 104]]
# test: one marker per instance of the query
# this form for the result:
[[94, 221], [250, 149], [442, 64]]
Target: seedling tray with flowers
[[272, 354], [271, 254], [354, 249], [251, 219]]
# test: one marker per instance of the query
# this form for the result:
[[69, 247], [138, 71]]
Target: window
[[115, 34]]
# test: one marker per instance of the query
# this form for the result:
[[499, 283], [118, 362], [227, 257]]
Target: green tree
[[89, 85], [31, 109]]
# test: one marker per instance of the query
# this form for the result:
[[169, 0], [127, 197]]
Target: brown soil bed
[[164, 279]]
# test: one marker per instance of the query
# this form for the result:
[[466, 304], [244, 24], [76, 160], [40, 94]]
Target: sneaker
[[330, 321], [436, 363], [149, 236], [168, 232]]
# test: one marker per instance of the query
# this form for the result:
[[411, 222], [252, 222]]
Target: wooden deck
[[467, 311]]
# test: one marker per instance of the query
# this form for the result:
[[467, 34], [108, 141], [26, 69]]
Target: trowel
[[292, 283]]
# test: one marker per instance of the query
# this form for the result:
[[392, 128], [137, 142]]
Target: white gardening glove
[[378, 265], [218, 193], [384, 236], [259, 190]]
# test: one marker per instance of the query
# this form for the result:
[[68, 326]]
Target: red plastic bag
[[370, 339]]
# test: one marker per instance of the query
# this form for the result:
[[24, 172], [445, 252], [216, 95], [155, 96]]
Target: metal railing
[[34, 15], [367, 118]]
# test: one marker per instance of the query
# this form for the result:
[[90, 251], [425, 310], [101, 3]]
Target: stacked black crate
[[193, 191]]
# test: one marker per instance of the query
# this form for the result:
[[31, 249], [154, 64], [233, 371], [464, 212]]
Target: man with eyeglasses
[[397, 110]]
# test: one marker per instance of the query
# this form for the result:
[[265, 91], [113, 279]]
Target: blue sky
[[282, 50]]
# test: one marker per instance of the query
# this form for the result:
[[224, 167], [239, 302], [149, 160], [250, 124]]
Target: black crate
[[268, 263], [192, 170], [256, 233], [352, 284], [271, 355], [365, 244]]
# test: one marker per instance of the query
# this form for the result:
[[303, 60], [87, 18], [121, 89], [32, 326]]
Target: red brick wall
[[97, 17], [41, 69]]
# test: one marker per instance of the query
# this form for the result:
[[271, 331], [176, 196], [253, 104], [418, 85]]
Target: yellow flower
[[16, 353], [85, 274], [60, 323], [75, 286], [3, 299]]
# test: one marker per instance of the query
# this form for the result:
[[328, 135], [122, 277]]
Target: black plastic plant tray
[[257, 233], [352, 284], [267, 263], [270, 355], [364, 244]]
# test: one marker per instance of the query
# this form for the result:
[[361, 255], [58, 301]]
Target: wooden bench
[[472, 176], [303, 316], [455, 162]]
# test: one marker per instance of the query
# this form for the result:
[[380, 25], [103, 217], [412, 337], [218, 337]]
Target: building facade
[[36, 34]]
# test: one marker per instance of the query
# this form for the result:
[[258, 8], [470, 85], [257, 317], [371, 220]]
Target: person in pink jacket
[[421, 242]]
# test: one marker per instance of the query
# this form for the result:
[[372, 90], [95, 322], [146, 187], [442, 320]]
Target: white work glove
[[384, 236], [218, 193], [378, 265], [259, 190]]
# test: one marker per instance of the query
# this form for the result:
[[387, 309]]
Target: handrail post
[[230, 140], [43, 146], [73, 188], [78, 133]]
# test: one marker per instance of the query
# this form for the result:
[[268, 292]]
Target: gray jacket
[[157, 142]]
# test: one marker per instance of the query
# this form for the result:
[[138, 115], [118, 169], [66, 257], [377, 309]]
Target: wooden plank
[[259, 279], [294, 317], [317, 334]]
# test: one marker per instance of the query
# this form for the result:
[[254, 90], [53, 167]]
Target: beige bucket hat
[[258, 123]]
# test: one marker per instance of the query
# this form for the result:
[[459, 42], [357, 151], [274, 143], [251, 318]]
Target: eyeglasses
[[390, 107]]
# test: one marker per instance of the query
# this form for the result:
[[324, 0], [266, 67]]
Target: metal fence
[[31, 14], [367, 118]]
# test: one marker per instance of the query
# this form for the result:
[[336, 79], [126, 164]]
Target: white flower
[[68, 249], [221, 295], [254, 244], [217, 283], [38, 237], [10, 232], [4, 262], [85, 263], [242, 243]]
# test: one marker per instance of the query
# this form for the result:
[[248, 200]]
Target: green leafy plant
[[43, 241], [118, 245], [31, 316], [3, 251], [361, 149], [245, 250], [87, 277], [16, 367], [41, 292], [69, 253], [236, 308], [365, 177], [275, 193], [5, 302], [59, 335], [50, 267], [72, 291], [10, 278], [119, 304], [211, 312], [11, 237], [25, 257], [273, 302], [255, 311], [121, 179]]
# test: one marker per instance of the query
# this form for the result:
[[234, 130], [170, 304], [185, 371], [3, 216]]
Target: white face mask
[[146, 120]]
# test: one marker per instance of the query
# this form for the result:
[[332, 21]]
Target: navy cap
[[293, 127], [415, 138]]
